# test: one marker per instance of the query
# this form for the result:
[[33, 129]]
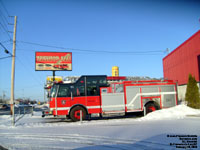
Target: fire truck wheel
[[75, 113], [150, 108]]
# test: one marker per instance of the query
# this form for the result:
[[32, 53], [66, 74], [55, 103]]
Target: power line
[[6, 50], [5, 57], [3, 46], [27, 69], [93, 51], [86, 53], [4, 25], [4, 19], [4, 8], [3, 16], [5, 30], [6, 41], [31, 43]]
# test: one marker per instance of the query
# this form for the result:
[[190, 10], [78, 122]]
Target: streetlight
[[6, 51]]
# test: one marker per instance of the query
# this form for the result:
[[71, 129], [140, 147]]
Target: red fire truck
[[93, 95]]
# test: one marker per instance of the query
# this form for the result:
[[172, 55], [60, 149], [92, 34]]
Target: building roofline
[[190, 38]]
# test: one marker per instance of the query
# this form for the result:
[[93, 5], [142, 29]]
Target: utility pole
[[12, 104]]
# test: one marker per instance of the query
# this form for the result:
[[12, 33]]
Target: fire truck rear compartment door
[[136, 94], [112, 102], [168, 96], [133, 97]]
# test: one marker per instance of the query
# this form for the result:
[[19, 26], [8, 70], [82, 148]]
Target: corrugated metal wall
[[183, 61]]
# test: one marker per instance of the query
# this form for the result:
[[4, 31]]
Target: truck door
[[93, 94], [63, 99], [79, 92]]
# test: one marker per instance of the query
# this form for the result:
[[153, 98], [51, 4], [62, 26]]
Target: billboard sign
[[53, 61]]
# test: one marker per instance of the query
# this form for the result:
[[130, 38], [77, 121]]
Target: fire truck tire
[[75, 113], [150, 107]]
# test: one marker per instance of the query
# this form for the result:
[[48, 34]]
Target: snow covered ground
[[161, 130]]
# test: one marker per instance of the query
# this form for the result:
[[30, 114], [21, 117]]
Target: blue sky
[[131, 34]]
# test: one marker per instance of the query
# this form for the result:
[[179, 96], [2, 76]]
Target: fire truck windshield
[[53, 91]]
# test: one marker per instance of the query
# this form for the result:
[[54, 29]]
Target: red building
[[184, 60]]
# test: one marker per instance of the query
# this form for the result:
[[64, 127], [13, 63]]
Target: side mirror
[[48, 95]]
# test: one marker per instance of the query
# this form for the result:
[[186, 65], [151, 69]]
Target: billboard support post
[[54, 74]]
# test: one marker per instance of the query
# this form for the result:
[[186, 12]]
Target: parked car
[[4, 107]]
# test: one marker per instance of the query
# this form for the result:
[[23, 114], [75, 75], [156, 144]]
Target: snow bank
[[35, 132], [177, 112]]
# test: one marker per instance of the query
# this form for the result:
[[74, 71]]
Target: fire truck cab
[[93, 95]]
